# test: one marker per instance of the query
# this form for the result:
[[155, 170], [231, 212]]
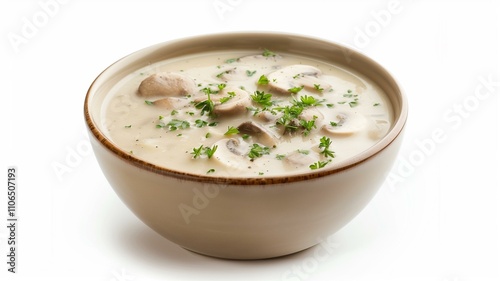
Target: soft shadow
[[143, 243]]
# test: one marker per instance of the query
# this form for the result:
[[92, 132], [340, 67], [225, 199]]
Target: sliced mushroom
[[311, 113], [230, 101], [167, 84], [282, 80], [378, 128], [345, 124], [260, 133], [299, 159], [172, 103], [231, 154], [266, 116]]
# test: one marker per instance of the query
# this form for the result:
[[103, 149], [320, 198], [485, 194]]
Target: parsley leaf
[[263, 80], [231, 131], [325, 143], [251, 73], [257, 151], [226, 99], [200, 123], [210, 151], [295, 90], [206, 106], [175, 124], [262, 98], [268, 53], [319, 164]]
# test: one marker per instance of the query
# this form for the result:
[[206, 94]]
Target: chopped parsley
[[319, 164], [268, 53], [210, 151], [324, 144], [263, 80], [318, 87], [295, 90], [231, 131], [176, 124], [308, 125], [148, 102], [200, 123], [206, 106], [262, 98], [280, 156], [257, 151], [204, 150], [308, 101], [251, 73]]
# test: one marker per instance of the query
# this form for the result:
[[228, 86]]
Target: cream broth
[[246, 114]]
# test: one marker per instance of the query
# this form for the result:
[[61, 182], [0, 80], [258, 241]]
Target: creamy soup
[[246, 114]]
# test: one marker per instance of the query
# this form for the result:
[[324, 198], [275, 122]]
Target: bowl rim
[[379, 146]]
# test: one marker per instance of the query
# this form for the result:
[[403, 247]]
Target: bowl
[[237, 217]]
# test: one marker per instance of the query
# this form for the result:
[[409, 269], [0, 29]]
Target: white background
[[436, 219]]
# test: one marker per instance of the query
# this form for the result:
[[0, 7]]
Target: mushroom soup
[[246, 114]]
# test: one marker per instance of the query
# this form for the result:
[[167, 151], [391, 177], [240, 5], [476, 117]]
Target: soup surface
[[245, 114]]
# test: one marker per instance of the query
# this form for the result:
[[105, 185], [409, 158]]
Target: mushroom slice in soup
[[260, 133], [311, 113], [286, 78], [265, 116], [378, 128], [231, 154], [231, 101], [345, 123], [299, 159], [167, 84], [171, 102]]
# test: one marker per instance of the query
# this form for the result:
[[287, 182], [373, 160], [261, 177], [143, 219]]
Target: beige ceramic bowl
[[242, 218]]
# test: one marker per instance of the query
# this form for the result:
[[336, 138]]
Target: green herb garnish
[[319, 164], [250, 73], [263, 80], [280, 156], [206, 106], [295, 90], [318, 87], [231, 131], [210, 151], [229, 97], [324, 144], [268, 53], [262, 98], [200, 123], [175, 124], [257, 151]]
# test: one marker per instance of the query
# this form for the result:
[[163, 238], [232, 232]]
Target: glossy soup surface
[[245, 114]]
